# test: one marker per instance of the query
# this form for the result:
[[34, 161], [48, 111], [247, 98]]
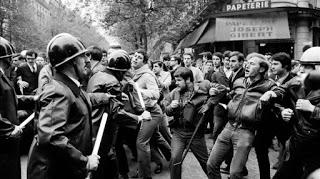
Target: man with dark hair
[[221, 76], [197, 74], [208, 69], [226, 63], [147, 83], [236, 60], [166, 62], [304, 113], [183, 125], [164, 78], [104, 60], [226, 54], [236, 64], [217, 61], [245, 115], [27, 74], [27, 82], [281, 67], [96, 57], [274, 126], [206, 56], [175, 63]]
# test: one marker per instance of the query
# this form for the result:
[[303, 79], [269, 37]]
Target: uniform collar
[[73, 84]]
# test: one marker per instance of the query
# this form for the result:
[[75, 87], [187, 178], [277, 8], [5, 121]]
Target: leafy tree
[[18, 25], [149, 24]]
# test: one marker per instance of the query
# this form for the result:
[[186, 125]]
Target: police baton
[[191, 139], [25, 122], [98, 139], [140, 96]]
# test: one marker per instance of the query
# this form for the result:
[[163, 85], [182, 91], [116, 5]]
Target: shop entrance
[[275, 47], [232, 46]]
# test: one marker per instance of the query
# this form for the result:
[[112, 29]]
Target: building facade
[[264, 26]]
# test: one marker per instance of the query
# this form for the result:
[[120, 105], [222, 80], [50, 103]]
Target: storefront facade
[[264, 26]]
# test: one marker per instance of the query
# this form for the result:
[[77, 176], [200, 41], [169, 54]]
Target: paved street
[[191, 168]]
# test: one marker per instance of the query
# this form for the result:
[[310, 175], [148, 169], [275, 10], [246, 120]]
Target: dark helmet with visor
[[119, 60], [63, 48], [6, 49]]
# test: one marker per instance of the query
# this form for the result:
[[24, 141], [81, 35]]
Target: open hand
[[23, 84]]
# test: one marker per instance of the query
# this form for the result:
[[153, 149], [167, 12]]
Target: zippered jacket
[[245, 109]]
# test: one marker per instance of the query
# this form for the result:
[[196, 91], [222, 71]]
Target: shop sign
[[273, 26], [248, 6]]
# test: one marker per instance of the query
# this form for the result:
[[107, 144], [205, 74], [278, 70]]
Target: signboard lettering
[[273, 26], [248, 6]]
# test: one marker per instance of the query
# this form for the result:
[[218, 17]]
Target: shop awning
[[209, 35], [193, 37], [260, 27]]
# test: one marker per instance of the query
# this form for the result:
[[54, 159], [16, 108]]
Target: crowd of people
[[158, 108]]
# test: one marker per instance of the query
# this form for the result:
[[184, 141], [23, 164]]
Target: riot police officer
[[9, 131], [108, 81], [63, 144]]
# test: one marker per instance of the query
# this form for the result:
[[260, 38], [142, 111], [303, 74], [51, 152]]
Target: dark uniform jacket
[[9, 150], [64, 137], [306, 124]]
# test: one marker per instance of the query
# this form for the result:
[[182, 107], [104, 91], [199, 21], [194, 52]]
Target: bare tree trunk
[[1, 27], [144, 33]]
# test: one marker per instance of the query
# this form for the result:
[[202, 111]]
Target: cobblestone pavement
[[190, 168]]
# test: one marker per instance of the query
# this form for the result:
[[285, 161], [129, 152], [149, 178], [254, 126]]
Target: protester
[[303, 92], [96, 58], [175, 63], [147, 82], [28, 73], [274, 126], [244, 115], [186, 119], [40, 61], [197, 74]]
